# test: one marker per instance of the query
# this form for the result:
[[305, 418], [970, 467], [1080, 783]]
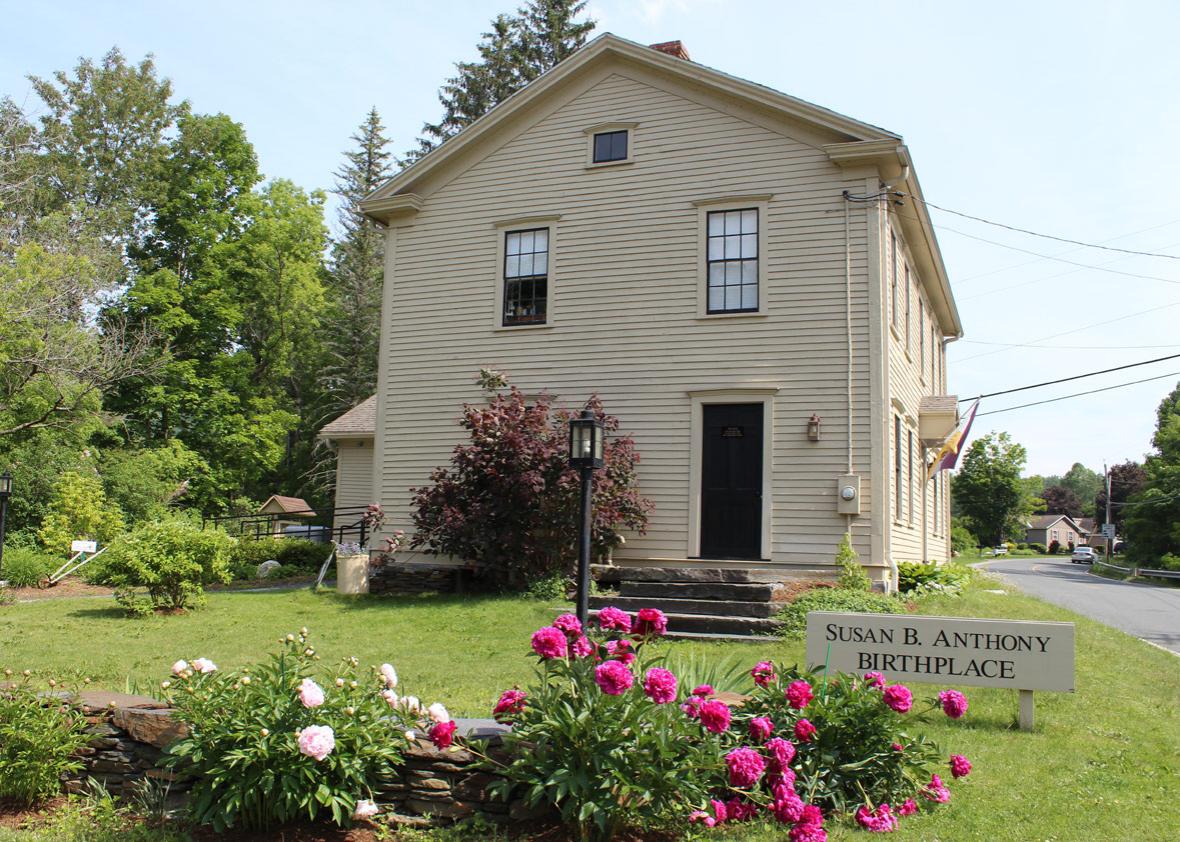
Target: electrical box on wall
[[848, 495]]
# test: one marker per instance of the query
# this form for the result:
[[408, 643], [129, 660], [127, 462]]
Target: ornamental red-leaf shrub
[[509, 500]]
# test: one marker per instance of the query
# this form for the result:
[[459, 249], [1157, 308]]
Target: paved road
[[1150, 613]]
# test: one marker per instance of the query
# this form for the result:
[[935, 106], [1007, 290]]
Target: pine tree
[[352, 327], [516, 51]]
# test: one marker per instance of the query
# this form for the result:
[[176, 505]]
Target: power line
[[1068, 347], [1079, 394], [1074, 377], [1045, 236]]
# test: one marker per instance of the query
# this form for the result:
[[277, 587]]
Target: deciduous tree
[[989, 491]]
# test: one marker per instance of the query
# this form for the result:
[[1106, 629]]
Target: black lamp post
[[586, 454], [5, 493]]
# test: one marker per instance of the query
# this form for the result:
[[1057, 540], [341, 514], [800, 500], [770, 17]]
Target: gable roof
[[853, 144], [1045, 521], [358, 422], [278, 504]]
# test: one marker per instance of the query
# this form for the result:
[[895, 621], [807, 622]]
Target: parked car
[[1083, 555]]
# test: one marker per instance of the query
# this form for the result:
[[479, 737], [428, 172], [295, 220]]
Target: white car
[[1083, 555]]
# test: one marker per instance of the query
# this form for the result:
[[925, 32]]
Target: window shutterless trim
[[610, 146], [593, 161], [525, 290]]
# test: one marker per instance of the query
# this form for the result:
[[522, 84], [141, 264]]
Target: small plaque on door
[[732, 433]]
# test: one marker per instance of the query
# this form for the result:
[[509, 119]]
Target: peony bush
[[40, 734], [285, 738]]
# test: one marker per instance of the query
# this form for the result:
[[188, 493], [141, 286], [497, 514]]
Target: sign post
[[1016, 654]]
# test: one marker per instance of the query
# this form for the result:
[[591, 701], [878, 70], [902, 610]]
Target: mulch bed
[[66, 588]]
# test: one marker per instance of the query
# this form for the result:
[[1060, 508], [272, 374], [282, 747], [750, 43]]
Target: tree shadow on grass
[[107, 612], [367, 602]]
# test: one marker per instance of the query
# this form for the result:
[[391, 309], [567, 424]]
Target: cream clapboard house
[[719, 262]]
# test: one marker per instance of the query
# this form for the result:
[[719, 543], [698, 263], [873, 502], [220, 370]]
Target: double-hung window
[[897, 490], [526, 276], [732, 261], [910, 478], [893, 279]]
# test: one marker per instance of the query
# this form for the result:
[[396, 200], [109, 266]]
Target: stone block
[[102, 700], [433, 784], [156, 727], [442, 809]]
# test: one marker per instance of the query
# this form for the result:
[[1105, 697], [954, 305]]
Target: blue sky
[[1060, 117]]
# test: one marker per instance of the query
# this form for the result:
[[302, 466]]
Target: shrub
[[26, 568], [794, 615], [173, 559], [962, 539], [38, 738], [549, 587], [1040, 548], [256, 750], [856, 750], [1022, 546], [1054, 547], [509, 498], [852, 575], [589, 739], [915, 577], [79, 510], [296, 553]]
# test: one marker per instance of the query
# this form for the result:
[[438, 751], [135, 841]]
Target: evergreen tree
[[516, 51], [352, 323], [1152, 516]]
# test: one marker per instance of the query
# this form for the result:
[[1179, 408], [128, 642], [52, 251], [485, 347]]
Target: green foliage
[[294, 553], [549, 587], [916, 578], [1038, 547], [173, 559], [242, 751], [94, 817], [144, 483], [989, 493], [794, 615], [38, 737], [79, 510], [852, 574], [851, 760], [26, 567], [603, 760], [962, 539], [723, 674]]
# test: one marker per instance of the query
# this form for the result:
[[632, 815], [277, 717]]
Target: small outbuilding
[[286, 511]]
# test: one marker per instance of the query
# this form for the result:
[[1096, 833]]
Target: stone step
[[708, 626], [742, 592], [723, 638], [692, 574], [710, 607]]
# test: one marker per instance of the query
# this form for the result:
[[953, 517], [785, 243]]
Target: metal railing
[[312, 525], [1141, 571]]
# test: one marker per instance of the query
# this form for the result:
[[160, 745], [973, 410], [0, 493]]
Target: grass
[[1103, 762]]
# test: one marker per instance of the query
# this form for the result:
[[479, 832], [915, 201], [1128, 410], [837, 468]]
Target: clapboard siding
[[625, 276], [354, 477]]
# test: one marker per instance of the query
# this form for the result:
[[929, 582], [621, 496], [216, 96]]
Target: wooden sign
[[1018, 654]]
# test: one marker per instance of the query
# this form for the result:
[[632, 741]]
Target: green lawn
[[1103, 763]]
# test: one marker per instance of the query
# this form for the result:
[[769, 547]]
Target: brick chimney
[[672, 48]]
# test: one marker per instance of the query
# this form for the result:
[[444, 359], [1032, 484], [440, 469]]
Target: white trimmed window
[[732, 271], [526, 277]]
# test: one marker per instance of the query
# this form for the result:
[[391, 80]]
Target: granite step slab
[[741, 592], [711, 607]]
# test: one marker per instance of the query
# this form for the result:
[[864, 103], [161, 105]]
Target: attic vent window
[[610, 146]]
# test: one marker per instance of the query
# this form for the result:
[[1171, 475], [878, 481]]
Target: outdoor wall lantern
[[813, 427], [5, 493], [586, 454]]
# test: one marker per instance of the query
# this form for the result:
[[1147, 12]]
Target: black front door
[[731, 481]]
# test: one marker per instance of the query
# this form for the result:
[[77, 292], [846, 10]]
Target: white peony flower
[[204, 665], [438, 713], [365, 809], [179, 667], [389, 674]]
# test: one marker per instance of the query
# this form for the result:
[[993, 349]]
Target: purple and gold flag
[[948, 456]]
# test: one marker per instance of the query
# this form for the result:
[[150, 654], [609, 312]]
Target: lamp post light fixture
[[586, 454], [5, 493]]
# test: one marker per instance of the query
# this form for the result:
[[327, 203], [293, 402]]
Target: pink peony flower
[[442, 734], [550, 642], [365, 809], [613, 678], [788, 807], [702, 817], [799, 694], [390, 697], [511, 704], [760, 728], [715, 716], [569, 624], [204, 665], [650, 622], [936, 790], [781, 780], [660, 686], [960, 766], [954, 703], [897, 747], [782, 752], [582, 647], [718, 816], [614, 618], [179, 667], [810, 827], [874, 679], [438, 713], [745, 767], [763, 674], [804, 731], [389, 675], [898, 697], [740, 810], [908, 808], [317, 741], [310, 693], [703, 690], [692, 706], [880, 820], [621, 650]]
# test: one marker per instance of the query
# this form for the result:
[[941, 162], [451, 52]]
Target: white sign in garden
[[83, 546], [1020, 654]]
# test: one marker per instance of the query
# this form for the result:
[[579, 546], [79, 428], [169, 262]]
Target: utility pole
[[1109, 538]]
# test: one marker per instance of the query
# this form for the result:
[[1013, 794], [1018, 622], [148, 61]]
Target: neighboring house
[[1088, 526], [352, 436], [719, 262], [1045, 529]]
